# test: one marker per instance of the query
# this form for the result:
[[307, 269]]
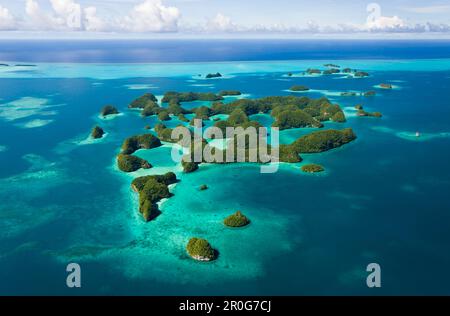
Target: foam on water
[[26, 107]]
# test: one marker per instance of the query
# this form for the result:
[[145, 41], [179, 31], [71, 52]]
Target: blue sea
[[383, 198]]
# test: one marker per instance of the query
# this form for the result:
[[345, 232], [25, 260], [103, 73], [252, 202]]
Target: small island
[[200, 249], [216, 75], [129, 163], [312, 168], [236, 220], [203, 187], [146, 141], [151, 190], [361, 112], [225, 93], [163, 116], [313, 71], [385, 86], [97, 132], [108, 110], [370, 93], [361, 74], [298, 88]]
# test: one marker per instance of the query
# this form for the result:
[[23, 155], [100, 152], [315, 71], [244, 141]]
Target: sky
[[224, 18]]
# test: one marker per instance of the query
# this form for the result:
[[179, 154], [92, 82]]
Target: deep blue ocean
[[383, 198]]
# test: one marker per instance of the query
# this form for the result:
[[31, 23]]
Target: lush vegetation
[[370, 93], [216, 75], [108, 110], [200, 249], [229, 93], [386, 86], [146, 141], [361, 112], [163, 116], [299, 88], [236, 220], [178, 97], [152, 189], [320, 141], [97, 132], [312, 168], [142, 102], [361, 74], [203, 187], [312, 71], [129, 163], [294, 119]]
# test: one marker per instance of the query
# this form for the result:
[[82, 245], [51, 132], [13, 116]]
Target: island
[[108, 110], [313, 71], [129, 163], [216, 75], [299, 88], [331, 71], [385, 86], [312, 168], [164, 116], [144, 101], [236, 220], [370, 93], [146, 141], [332, 66], [199, 249], [361, 74], [97, 132], [348, 94], [203, 187], [361, 112], [321, 141], [151, 190], [225, 93]]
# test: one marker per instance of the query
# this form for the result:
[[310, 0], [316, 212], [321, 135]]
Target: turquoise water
[[383, 198]]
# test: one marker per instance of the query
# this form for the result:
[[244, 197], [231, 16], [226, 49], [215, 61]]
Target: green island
[[151, 190], [130, 163], [321, 141], [361, 74], [385, 86], [312, 168], [108, 110], [216, 75], [199, 249], [361, 112], [145, 141], [236, 220], [299, 88], [97, 132], [225, 93], [203, 187], [313, 71], [147, 99], [332, 66], [331, 71], [370, 93]]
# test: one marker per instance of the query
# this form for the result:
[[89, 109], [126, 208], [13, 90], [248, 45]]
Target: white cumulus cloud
[[7, 21], [221, 23], [386, 23], [152, 16]]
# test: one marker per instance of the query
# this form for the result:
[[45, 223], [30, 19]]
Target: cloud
[[7, 21], [92, 22], [152, 16], [39, 19], [383, 23], [429, 9], [221, 23]]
